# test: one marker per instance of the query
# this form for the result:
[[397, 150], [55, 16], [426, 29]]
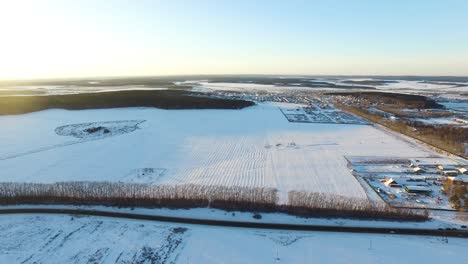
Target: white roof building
[[450, 172], [391, 183]]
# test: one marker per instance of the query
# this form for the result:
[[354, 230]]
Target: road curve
[[259, 225]]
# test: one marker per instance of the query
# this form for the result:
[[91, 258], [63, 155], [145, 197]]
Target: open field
[[61, 238], [41, 239], [296, 148], [253, 147], [95, 82]]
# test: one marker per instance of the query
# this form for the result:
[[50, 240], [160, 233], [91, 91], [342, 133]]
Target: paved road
[[224, 223]]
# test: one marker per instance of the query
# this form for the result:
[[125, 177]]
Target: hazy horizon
[[48, 39]]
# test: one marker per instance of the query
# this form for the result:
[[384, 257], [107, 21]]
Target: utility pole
[[277, 259]]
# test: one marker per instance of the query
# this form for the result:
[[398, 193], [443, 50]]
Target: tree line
[[139, 195], [311, 204], [253, 199]]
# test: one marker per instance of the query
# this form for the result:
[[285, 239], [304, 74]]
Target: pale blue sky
[[65, 38]]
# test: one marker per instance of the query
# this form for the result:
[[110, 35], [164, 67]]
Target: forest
[[165, 99]]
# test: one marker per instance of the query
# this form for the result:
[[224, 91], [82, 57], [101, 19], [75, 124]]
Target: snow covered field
[[254, 147], [448, 90], [244, 87], [70, 89], [458, 106], [67, 239], [442, 121], [425, 87], [441, 88]]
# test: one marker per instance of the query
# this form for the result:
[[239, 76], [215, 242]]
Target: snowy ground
[[442, 121], [256, 146], [458, 106], [44, 90], [67, 239], [438, 219], [444, 89], [425, 87], [244, 87], [448, 90]]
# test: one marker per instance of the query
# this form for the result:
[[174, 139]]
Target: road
[[225, 223]]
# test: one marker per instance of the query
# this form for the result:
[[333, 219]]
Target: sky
[[68, 38]]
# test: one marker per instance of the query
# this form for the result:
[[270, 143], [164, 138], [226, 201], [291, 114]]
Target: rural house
[[463, 170], [391, 183], [417, 189]]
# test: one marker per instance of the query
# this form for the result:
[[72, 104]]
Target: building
[[417, 189], [446, 167], [461, 121], [462, 179], [391, 183], [450, 172]]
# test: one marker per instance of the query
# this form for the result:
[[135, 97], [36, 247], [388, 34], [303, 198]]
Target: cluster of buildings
[[295, 97], [426, 182], [454, 173]]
